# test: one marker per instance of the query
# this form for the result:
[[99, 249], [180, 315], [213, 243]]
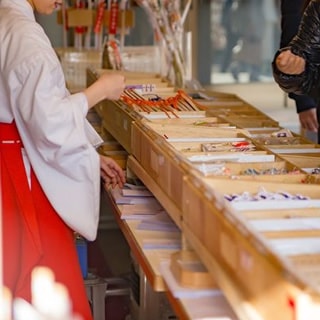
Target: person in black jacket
[[291, 14], [296, 68]]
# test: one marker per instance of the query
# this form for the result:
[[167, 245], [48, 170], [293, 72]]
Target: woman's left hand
[[111, 172]]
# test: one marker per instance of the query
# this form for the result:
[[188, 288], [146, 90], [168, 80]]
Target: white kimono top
[[58, 140]]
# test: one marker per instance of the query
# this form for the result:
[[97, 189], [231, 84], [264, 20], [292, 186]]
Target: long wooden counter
[[197, 162], [191, 303]]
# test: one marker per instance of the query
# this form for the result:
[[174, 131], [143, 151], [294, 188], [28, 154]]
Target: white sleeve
[[92, 135], [58, 140], [49, 116]]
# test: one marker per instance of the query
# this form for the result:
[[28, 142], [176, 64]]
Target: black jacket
[[291, 14]]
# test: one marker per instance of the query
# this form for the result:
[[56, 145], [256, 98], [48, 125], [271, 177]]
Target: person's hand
[[308, 120], [289, 63], [111, 173], [113, 84], [107, 86]]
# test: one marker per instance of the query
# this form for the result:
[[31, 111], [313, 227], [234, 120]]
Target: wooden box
[[172, 132], [273, 171], [303, 161], [116, 152], [244, 264], [252, 123], [306, 149], [117, 120], [159, 161]]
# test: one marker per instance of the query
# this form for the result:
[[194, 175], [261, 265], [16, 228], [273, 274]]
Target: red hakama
[[33, 233]]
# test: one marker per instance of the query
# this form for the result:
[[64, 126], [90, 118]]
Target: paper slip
[[174, 244], [292, 224], [204, 139], [274, 204], [308, 170], [263, 129], [236, 157], [152, 225], [158, 222], [301, 150], [296, 246], [120, 199], [138, 217], [142, 88], [162, 217], [136, 193], [149, 206], [163, 115], [140, 208], [136, 200], [134, 186]]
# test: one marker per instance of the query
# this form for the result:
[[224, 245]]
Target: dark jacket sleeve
[[303, 102], [291, 14]]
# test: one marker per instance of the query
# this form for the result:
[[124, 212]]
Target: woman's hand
[[113, 84], [108, 86], [289, 63], [111, 173], [308, 120]]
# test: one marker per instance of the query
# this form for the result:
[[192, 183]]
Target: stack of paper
[[136, 202]]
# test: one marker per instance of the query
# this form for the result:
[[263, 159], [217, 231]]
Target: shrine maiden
[[50, 170]]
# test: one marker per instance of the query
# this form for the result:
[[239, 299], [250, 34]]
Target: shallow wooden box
[[243, 263], [193, 158], [238, 186], [305, 149], [249, 116], [303, 161], [172, 132], [161, 163], [223, 102], [189, 271], [196, 122], [193, 147], [117, 120], [237, 106], [218, 95], [116, 152], [241, 171], [117, 117], [309, 164], [281, 141], [257, 132], [158, 155], [178, 115], [249, 112], [252, 123]]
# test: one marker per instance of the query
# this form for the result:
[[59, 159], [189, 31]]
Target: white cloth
[[58, 140]]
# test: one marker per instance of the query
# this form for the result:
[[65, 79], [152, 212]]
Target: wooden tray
[[159, 161], [259, 281], [303, 161], [234, 252], [189, 271]]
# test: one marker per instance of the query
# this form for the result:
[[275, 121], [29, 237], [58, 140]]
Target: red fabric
[[33, 233]]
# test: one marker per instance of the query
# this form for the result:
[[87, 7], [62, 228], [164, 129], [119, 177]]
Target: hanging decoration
[[167, 23]]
